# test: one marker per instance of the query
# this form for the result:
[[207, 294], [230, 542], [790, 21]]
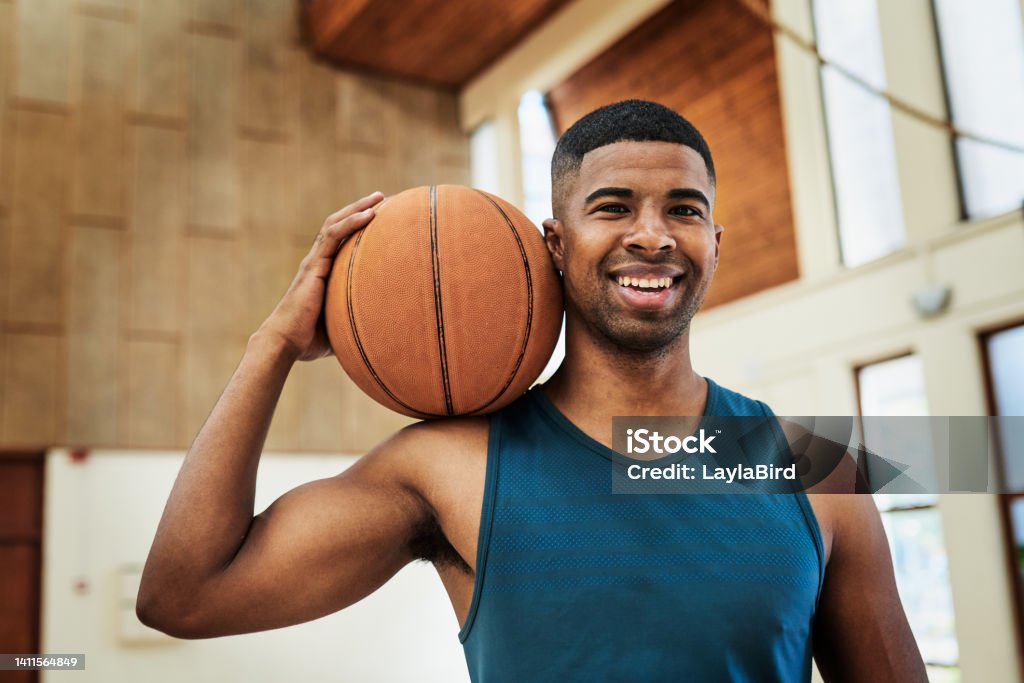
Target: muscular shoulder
[[426, 451]]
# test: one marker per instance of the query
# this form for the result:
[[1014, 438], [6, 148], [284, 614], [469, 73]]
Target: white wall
[[101, 515]]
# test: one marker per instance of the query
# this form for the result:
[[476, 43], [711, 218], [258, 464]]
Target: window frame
[[1005, 500]]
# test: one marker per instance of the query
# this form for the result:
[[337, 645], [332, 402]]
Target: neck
[[597, 381]]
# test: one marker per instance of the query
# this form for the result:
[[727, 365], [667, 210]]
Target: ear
[[719, 229], [553, 240]]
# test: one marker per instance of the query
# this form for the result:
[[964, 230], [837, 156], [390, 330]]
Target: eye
[[612, 208], [685, 210]]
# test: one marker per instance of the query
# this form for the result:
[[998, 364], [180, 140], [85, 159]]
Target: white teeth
[[647, 283]]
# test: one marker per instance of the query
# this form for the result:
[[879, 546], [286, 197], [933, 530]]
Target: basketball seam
[[435, 259], [358, 341], [529, 302]]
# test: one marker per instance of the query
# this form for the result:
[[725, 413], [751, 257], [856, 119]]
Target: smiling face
[[636, 242]]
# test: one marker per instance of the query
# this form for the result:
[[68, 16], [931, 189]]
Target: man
[[551, 576]]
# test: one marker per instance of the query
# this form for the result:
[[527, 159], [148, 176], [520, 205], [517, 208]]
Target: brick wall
[[715, 64], [164, 166]]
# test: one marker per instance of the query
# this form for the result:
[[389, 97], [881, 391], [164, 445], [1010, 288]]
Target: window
[[869, 210], [537, 144], [1005, 352], [483, 158], [982, 46], [896, 387]]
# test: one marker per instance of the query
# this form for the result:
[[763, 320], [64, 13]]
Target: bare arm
[[861, 632], [214, 568]]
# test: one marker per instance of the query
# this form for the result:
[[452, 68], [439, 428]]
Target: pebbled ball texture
[[446, 303]]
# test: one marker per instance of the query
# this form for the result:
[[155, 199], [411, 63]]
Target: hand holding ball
[[446, 303]]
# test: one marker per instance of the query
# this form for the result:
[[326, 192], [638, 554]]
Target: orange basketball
[[446, 303]]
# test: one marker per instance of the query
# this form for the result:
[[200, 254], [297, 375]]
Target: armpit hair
[[428, 543]]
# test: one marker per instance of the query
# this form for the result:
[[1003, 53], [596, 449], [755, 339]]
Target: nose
[[649, 233]]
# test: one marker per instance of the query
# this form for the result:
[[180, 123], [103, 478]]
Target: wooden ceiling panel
[[441, 42]]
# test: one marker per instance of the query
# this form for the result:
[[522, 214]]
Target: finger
[[329, 239], [355, 207]]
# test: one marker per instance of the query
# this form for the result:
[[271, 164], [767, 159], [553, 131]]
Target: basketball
[[445, 304]]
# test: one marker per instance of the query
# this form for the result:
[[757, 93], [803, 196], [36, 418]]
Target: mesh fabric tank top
[[574, 582]]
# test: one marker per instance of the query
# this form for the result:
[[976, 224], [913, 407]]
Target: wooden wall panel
[[157, 229], [270, 197], [151, 413], [43, 50], [95, 299], [452, 150], [37, 217], [158, 214], [414, 144], [219, 12], [270, 208], [271, 32], [21, 490], [93, 327], [21, 524], [104, 81], [318, 189], [18, 598], [161, 75], [361, 172], [109, 7], [20, 542], [215, 186], [32, 409], [6, 79], [5, 273], [7, 390], [216, 287], [267, 276], [728, 88], [362, 105]]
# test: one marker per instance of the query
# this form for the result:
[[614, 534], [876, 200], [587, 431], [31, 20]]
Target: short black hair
[[628, 120]]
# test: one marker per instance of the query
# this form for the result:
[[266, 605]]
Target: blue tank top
[[576, 583]]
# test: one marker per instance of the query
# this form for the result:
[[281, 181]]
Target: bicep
[[861, 632], [317, 549]]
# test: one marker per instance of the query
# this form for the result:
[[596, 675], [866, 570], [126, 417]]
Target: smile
[[652, 284], [648, 291]]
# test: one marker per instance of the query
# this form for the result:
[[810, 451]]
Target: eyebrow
[[625, 192], [689, 193]]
